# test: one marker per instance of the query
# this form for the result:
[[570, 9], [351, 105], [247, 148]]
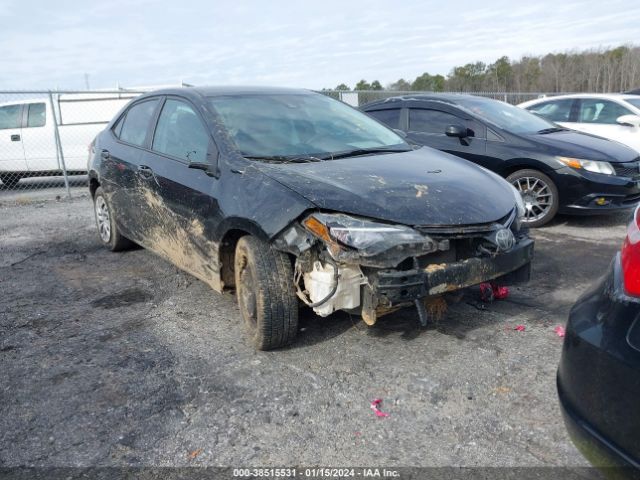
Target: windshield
[[298, 125], [633, 101], [510, 118]]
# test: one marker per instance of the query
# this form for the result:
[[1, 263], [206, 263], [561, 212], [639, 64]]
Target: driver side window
[[180, 133], [600, 111]]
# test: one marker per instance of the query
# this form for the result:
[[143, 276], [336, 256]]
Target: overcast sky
[[311, 44]]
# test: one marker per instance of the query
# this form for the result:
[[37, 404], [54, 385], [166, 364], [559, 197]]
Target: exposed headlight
[[588, 165], [368, 237]]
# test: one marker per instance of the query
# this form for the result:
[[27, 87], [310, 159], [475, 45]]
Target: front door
[[182, 200], [12, 158], [427, 127], [38, 139], [599, 117]]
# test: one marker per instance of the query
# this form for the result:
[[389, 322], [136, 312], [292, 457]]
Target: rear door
[[427, 125], [11, 149], [123, 178], [38, 138], [183, 200]]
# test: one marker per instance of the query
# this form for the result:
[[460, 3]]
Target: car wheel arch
[[93, 185], [515, 164], [227, 248]]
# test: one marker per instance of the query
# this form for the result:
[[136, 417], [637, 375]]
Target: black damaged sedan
[[293, 198]]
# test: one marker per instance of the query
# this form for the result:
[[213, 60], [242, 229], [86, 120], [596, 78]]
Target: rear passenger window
[[431, 121], [10, 116], [180, 133], [136, 123], [555, 110], [37, 115], [389, 117]]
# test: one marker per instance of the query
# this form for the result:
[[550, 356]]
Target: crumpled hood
[[570, 143], [420, 187]]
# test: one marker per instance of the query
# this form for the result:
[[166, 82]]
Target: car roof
[[213, 91], [607, 96], [450, 98]]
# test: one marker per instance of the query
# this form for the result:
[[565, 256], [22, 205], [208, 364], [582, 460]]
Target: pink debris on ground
[[490, 291], [559, 330], [499, 293], [520, 328], [375, 406]]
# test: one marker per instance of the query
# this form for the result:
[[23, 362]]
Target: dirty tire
[[106, 223], [265, 294], [519, 177], [11, 180]]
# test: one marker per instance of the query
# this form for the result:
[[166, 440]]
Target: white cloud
[[304, 44]]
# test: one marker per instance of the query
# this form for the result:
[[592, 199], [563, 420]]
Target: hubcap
[[103, 219], [537, 197]]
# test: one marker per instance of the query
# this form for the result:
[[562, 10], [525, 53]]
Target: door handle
[[15, 138], [105, 154], [145, 172]]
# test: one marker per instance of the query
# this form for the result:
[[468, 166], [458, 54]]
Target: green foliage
[[601, 70], [362, 85]]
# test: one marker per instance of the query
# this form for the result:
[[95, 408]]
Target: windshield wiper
[[284, 158], [363, 151], [551, 130]]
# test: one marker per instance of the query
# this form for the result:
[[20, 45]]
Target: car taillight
[[630, 256]]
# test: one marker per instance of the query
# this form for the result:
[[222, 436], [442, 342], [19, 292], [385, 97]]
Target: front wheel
[[539, 194], [265, 293]]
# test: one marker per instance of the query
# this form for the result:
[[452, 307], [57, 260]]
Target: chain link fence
[[44, 139], [44, 135]]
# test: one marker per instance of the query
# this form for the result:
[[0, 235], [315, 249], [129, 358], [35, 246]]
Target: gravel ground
[[120, 359]]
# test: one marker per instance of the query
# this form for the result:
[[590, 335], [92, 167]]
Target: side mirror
[[456, 131], [210, 167], [629, 120]]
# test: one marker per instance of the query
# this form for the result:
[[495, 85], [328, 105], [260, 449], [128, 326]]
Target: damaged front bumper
[[420, 267], [397, 286]]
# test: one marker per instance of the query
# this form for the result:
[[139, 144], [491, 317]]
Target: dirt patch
[[122, 299]]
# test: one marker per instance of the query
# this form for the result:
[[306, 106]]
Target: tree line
[[596, 70]]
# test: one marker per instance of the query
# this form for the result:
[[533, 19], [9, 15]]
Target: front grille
[[630, 170], [467, 231]]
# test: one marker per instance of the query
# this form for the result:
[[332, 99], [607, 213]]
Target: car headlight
[[368, 237], [588, 165]]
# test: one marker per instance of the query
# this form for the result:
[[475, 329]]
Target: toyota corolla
[[292, 198]]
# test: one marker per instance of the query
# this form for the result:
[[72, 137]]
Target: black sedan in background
[[289, 195], [599, 373], [555, 169]]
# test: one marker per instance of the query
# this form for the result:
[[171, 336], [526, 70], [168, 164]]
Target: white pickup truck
[[28, 145]]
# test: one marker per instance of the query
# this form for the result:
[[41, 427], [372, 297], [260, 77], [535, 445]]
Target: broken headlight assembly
[[588, 165], [367, 237]]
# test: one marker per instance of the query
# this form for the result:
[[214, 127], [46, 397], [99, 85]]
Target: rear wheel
[[106, 223], [539, 194], [10, 180], [265, 293]]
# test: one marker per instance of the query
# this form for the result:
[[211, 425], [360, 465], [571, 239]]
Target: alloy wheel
[[537, 197], [103, 219]]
